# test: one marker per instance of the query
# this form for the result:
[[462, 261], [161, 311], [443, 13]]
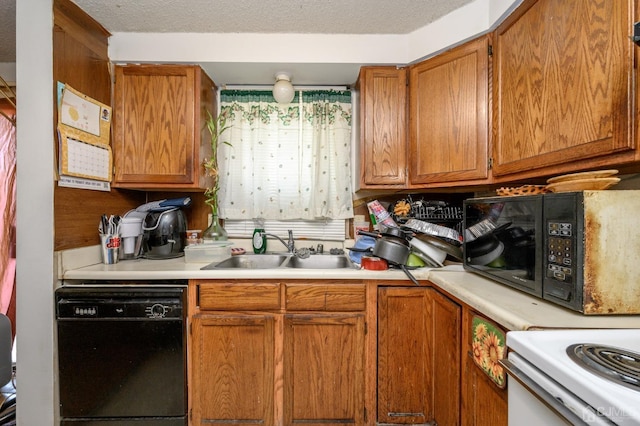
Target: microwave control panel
[[560, 251], [563, 230]]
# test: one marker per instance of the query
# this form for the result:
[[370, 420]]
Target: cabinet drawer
[[239, 296], [325, 297]]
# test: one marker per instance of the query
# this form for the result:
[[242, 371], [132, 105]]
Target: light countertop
[[508, 307]]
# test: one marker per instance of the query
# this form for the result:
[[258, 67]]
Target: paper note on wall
[[80, 113]]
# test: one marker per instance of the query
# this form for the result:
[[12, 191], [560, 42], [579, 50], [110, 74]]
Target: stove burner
[[618, 365]]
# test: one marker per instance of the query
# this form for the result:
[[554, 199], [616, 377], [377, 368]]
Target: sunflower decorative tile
[[488, 347]]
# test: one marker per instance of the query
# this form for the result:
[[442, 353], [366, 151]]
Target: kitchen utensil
[[426, 259], [394, 250], [396, 233], [485, 251], [409, 274], [364, 245], [374, 263], [131, 233], [522, 190], [433, 229], [415, 261], [393, 234], [434, 254], [164, 234], [451, 250], [583, 184], [484, 229], [594, 174], [110, 247]]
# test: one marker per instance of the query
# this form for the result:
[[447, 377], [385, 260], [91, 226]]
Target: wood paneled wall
[[80, 60]]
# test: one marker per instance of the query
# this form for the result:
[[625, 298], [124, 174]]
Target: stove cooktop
[[618, 365], [549, 352]]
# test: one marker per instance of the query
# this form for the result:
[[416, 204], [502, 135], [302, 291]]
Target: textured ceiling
[[276, 16], [248, 16], [7, 30]]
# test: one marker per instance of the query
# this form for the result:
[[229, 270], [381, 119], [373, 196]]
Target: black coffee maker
[[164, 234]]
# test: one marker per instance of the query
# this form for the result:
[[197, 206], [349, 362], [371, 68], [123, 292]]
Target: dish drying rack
[[437, 212]]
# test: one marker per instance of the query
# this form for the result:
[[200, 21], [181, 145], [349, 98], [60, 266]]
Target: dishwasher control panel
[[111, 302]]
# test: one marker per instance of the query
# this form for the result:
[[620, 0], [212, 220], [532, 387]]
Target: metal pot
[[394, 250]]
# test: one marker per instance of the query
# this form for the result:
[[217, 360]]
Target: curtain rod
[[270, 86]]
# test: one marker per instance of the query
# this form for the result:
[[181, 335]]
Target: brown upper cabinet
[[160, 137], [446, 133], [383, 127], [448, 116], [562, 88]]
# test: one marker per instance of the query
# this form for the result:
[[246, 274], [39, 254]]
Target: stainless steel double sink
[[273, 260]]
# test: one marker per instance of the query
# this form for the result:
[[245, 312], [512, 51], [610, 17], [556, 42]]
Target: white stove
[[542, 366]]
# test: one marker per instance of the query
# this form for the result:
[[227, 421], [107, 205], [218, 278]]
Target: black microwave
[[574, 249]]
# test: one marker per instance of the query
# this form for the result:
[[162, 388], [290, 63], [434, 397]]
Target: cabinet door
[[232, 369], [483, 401], [445, 340], [159, 125], [418, 357], [324, 369], [383, 128], [562, 87], [448, 116]]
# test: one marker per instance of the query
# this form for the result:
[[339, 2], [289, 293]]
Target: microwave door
[[503, 240]]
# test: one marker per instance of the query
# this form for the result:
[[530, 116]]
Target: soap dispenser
[[259, 241]]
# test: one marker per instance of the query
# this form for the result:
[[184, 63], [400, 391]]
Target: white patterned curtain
[[286, 161]]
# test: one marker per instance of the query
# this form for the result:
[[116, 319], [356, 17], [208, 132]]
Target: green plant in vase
[[216, 126]]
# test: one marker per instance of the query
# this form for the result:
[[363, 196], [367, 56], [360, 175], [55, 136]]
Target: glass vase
[[215, 231]]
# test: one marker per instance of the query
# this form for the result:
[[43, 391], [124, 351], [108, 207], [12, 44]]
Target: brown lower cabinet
[[296, 357], [418, 357], [331, 352]]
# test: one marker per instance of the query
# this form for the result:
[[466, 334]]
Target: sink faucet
[[290, 244]]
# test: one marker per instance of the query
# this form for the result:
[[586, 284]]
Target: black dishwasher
[[122, 355]]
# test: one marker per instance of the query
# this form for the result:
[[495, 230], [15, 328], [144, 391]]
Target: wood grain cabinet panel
[[325, 297], [418, 357], [239, 296], [324, 369], [160, 137], [448, 116], [562, 87], [233, 359], [383, 127]]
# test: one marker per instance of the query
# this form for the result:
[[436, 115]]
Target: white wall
[[35, 269], [312, 58]]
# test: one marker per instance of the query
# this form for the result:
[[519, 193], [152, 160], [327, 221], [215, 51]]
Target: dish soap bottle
[[259, 241]]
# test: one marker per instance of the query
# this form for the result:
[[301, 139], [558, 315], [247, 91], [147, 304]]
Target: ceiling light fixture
[[283, 90]]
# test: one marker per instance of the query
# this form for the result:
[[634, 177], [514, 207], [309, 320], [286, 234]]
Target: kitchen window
[[286, 161]]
